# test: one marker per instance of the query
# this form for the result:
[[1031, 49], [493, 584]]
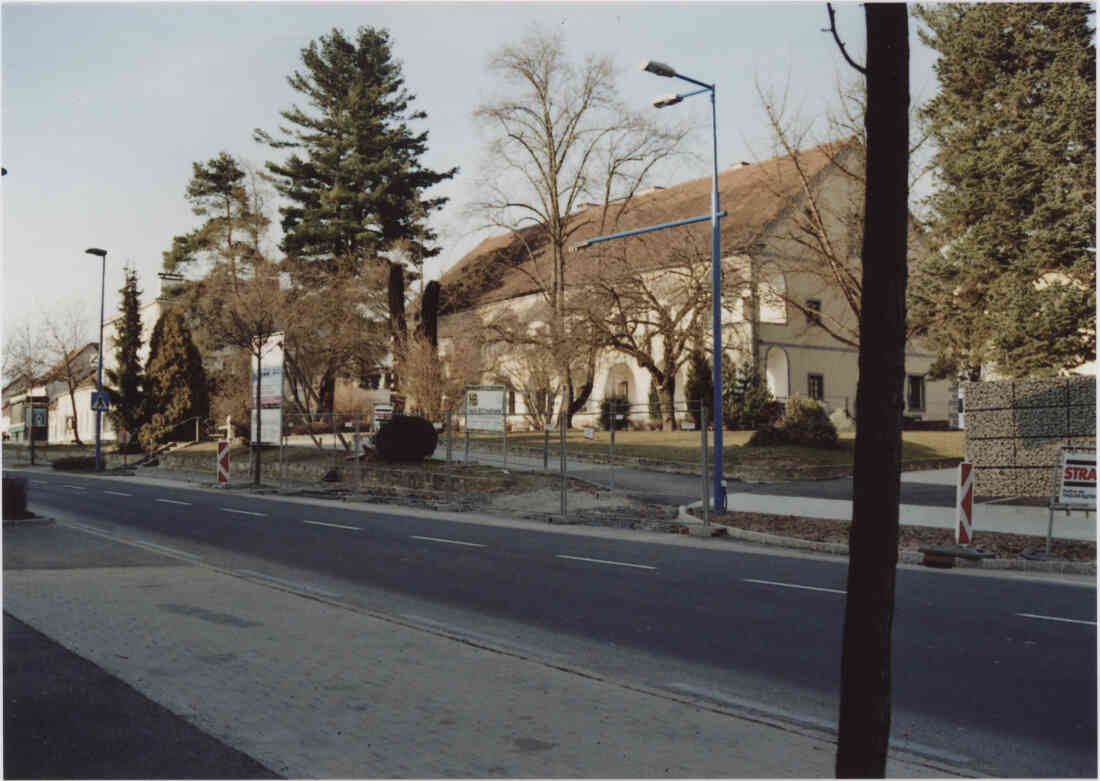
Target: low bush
[[406, 438], [804, 422], [75, 464], [621, 414]]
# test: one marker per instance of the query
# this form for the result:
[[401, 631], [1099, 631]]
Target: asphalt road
[[998, 674]]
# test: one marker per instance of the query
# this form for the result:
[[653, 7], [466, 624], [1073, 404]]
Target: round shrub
[[804, 422], [406, 438]]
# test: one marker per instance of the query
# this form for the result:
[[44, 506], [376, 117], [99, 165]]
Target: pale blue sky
[[106, 106]]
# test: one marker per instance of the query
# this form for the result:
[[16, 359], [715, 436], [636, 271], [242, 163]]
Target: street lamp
[[102, 253], [667, 71]]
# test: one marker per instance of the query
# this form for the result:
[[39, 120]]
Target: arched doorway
[[777, 371]]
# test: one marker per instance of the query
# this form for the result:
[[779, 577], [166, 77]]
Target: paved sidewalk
[[313, 689]]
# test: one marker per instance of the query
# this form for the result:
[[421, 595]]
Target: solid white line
[[171, 501], [292, 584], [117, 493], [40, 482], [449, 542], [1055, 618], [166, 549], [794, 585], [243, 512], [333, 525], [77, 487], [605, 561]]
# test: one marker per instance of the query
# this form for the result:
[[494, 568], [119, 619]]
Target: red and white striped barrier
[[964, 505], [223, 462]]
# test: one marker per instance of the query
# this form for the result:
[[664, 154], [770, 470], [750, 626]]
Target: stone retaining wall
[[1015, 427]]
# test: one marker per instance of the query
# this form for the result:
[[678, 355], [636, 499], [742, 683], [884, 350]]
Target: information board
[[485, 407]]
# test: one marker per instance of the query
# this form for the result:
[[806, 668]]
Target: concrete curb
[[904, 557]]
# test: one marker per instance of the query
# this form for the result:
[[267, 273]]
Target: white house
[[780, 302]]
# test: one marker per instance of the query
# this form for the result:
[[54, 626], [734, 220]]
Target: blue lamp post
[[660, 69], [102, 253]]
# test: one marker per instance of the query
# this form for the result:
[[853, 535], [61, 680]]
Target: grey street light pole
[[102, 253], [660, 69]]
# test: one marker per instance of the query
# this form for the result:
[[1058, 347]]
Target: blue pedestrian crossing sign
[[101, 401]]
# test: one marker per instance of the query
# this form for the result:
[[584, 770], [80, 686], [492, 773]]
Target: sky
[[105, 106]]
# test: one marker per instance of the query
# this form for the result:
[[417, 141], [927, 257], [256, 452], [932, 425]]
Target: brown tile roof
[[753, 195]]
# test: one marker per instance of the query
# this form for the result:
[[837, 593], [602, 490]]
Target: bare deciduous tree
[[67, 331], [561, 140]]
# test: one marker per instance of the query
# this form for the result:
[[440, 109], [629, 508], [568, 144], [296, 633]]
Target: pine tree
[[699, 387], [175, 381], [355, 183], [1014, 219], [126, 381]]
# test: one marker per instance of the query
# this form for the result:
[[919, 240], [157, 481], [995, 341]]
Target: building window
[[813, 311], [624, 389], [511, 402], [816, 386], [914, 396]]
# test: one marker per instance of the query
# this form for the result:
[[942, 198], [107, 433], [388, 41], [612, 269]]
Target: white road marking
[[172, 501], [1055, 618], [243, 512], [604, 561], [117, 493], [77, 487], [40, 482], [333, 525], [794, 585], [165, 549], [449, 542]]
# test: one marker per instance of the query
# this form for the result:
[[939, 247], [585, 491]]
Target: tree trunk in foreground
[[873, 539]]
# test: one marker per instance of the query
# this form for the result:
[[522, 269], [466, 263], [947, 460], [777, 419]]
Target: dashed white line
[[117, 493], [172, 501], [1055, 618], [449, 542], [795, 585], [243, 512], [333, 525], [604, 561], [77, 487]]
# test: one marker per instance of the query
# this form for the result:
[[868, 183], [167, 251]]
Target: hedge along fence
[[1014, 429]]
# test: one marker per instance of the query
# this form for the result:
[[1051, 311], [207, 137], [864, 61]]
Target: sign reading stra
[[1078, 472]]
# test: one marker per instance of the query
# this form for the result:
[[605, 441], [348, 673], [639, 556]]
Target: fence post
[[614, 425], [358, 453], [703, 439], [563, 470], [450, 435]]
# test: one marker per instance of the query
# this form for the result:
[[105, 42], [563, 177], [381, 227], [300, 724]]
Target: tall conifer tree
[[126, 379], [354, 180], [175, 382], [1014, 218]]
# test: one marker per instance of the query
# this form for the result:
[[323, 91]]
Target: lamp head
[[658, 68], [96, 251], [667, 100]]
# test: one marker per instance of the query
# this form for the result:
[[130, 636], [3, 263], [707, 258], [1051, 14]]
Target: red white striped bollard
[[964, 505], [223, 462]]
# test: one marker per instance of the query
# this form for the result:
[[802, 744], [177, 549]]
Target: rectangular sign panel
[[271, 372], [485, 407], [1078, 478], [271, 423]]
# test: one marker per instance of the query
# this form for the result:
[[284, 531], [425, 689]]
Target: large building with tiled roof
[[779, 302]]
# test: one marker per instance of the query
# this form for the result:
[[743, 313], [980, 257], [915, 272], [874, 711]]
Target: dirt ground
[[1002, 545]]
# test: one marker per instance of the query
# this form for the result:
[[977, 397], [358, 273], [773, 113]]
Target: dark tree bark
[[429, 317], [873, 539]]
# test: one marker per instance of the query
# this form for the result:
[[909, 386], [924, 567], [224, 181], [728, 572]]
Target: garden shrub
[[406, 438], [621, 413], [746, 403], [805, 422], [699, 386]]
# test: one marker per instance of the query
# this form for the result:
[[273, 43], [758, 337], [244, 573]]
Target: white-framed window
[[813, 311], [815, 386]]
